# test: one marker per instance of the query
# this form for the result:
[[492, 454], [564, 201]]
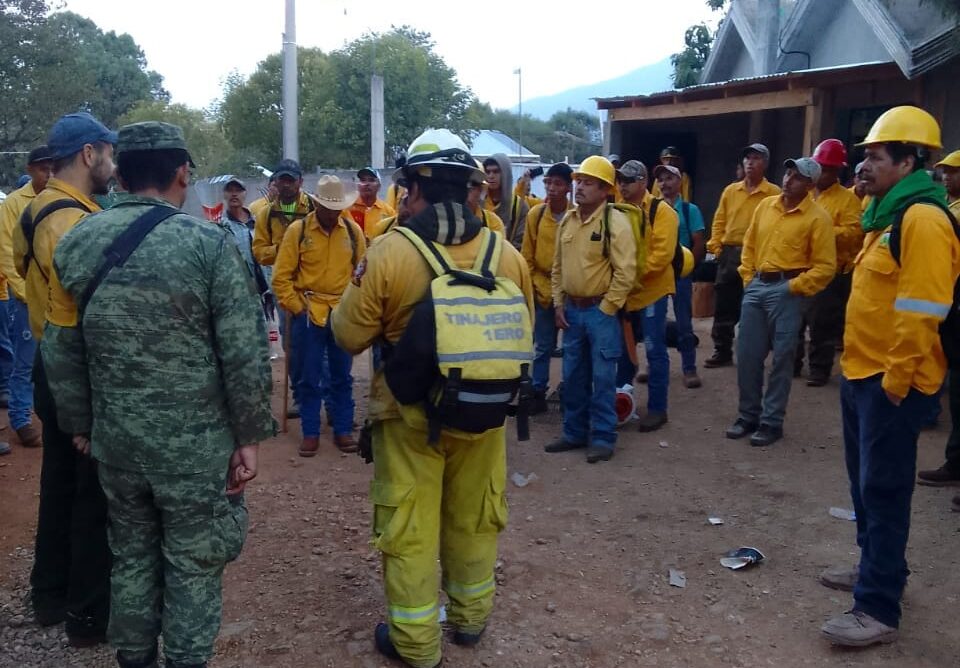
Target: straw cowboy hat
[[334, 194]]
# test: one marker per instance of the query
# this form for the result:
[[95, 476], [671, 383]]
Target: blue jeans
[[626, 369], [544, 341], [683, 314], [591, 347], [658, 361], [296, 361], [769, 320], [319, 349], [24, 348], [880, 444], [6, 349]]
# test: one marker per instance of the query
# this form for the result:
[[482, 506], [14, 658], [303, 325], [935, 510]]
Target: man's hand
[[893, 399], [81, 443], [560, 318], [242, 468]]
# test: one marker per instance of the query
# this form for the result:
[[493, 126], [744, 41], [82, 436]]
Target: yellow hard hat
[[688, 262], [952, 160], [910, 125], [599, 168]]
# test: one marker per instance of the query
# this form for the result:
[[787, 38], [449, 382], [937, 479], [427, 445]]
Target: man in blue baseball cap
[[71, 569]]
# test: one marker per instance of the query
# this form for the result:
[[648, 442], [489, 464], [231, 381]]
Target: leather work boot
[[561, 445], [149, 660], [652, 421], [85, 631], [941, 477], [642, 376], [30, 436], [740, 428], [539, 402], [596, 453], [857, 629], [345, 443], [465, 639], [766, 435], [309, 446], [691, 380], [838, 577], [718, 359], [381, 640]]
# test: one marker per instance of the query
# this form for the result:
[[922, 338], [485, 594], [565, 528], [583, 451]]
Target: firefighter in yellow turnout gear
[[444, 498]]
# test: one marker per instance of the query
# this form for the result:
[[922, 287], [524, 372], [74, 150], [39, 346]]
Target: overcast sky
[[194, 44]]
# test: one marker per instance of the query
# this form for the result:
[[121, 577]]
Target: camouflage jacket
[[168, 370]]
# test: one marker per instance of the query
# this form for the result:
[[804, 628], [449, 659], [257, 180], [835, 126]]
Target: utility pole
[[519, 74], [291, 142]]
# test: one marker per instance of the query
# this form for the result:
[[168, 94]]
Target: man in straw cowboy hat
[[314, 263]]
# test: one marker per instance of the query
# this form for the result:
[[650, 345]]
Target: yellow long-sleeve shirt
[[955, 208], [657, 279], [45, 238], [844, 209], [579, 266], [395, 193], [539, 246], [686, 188], [895, 310], [367, 217], [271, 224], [781, 240], [313, 268], [735, 212], [258, 205], [15, 204], [379, 301]]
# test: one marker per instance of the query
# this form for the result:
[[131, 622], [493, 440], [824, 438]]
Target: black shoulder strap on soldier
[[894, 242], [29, 226], [120, 250]]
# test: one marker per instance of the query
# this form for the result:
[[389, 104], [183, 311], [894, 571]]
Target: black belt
[[584, 302], [774, 276]]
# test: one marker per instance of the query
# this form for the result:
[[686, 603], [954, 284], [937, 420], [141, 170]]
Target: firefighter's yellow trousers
[[446, 500]]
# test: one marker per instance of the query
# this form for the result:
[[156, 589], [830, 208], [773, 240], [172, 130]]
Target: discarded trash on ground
[[715, 521], [843, 514], [521, 480], [664, 444], [742, 557], [677, 578]]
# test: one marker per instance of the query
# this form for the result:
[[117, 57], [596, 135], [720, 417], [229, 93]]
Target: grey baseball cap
[[805, 167], [633, 169], [756, 147]]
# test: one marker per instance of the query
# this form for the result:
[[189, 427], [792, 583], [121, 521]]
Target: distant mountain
[[648, 79]]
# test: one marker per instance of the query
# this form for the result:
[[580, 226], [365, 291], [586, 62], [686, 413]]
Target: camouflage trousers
[[171, 537]]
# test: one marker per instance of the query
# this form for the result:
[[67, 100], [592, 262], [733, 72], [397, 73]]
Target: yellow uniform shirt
[[313, 268], [395, 193], [781, 240], [258, 205], [367, 217], [45, 238], [954, 207], [735, 212], [539, 245], [844, 209], [271, 223], [493, 221], [10, 212], [579, 266], [378, 303], [657, 279], [531, 199], [686, 188], [382, 226], [895, 310]]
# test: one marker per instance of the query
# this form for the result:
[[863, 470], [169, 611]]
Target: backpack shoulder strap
[[894, 243], [120, 250], [488, 257], [29, 225], [654, 205]]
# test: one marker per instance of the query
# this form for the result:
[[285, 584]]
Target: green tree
[[688, 64], [420, 91], [209, 147]]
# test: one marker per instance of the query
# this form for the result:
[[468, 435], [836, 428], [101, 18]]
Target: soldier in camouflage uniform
[[164, 377]]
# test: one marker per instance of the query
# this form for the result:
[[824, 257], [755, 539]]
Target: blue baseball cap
[[73, 131]]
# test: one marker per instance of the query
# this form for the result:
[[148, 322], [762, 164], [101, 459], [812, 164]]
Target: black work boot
[[718, 359], [148, 660], [381, 639], [539, 402], [465, 639]]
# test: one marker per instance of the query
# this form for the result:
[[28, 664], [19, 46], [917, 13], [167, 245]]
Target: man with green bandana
[[893, 363]]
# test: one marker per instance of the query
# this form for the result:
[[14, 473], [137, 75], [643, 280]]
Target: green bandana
[[881, 213]]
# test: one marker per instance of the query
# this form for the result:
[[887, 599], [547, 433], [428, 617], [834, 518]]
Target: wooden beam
[[732, 105]]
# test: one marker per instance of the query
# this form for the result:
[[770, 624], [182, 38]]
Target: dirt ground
[[583, 578]]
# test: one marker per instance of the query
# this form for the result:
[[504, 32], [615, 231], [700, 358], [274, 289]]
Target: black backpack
[[950, 327], [677, 261], [29, 226]]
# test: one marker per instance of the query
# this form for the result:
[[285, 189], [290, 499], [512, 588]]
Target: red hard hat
[[830, 153]]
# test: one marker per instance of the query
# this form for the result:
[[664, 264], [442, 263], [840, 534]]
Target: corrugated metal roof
[[487, 142]]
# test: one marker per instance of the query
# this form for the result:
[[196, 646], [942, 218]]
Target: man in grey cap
[[140, 293], [71, 566], [730, 222], [788, 253]]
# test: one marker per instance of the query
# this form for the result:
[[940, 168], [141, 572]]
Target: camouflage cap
[[151, 136]]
